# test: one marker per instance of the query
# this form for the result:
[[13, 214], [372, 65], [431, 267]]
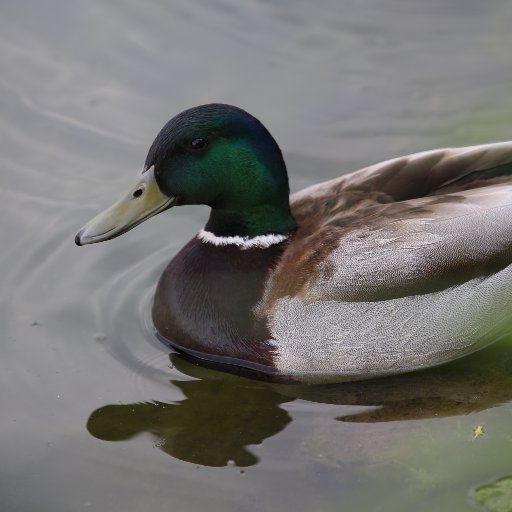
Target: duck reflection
[[214, 425], [222, 414], [470, 384]]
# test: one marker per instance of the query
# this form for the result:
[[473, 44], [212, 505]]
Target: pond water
[[97, 415]]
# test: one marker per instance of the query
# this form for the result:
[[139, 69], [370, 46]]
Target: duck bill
[[143, 200]]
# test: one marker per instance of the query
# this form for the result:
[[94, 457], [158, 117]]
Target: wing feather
[[410, 225]]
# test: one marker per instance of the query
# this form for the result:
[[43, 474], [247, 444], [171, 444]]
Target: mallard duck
[[400, 266]]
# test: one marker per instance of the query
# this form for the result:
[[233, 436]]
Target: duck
[[397, 267]]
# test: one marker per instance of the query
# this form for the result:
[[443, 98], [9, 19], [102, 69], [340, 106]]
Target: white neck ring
[[243, 242]]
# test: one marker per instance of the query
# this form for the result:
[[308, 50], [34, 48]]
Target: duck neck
[[267, 219]]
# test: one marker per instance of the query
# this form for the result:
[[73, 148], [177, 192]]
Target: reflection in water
[[223, 414], [470, 384], [212, 426]]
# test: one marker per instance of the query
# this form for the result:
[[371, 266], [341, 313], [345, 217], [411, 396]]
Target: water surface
[[96, 414]]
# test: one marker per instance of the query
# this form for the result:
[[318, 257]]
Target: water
[[96, 415]]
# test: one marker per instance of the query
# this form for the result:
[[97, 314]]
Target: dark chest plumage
[[204, 303]]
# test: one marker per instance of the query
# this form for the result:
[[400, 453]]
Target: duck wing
[[399, 266], [421, 174], [410, 225]]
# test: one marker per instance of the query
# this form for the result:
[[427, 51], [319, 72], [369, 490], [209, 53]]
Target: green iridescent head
[[215, 154]]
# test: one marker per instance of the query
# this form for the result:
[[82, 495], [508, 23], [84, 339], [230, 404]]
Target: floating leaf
[[496, 497]]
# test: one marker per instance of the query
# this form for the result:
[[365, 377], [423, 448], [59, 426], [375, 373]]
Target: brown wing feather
[[400, 199]]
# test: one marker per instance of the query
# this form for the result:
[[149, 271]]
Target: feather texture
[[402, 265]]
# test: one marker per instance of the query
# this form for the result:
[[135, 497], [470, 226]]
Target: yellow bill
[[143, 200]]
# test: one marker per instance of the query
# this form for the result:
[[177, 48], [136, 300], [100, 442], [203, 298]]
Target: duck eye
[[137, 193], [198, 143]]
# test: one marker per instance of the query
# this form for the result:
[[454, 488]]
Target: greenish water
[[96, 414]]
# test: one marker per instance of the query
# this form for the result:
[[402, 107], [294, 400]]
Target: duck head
[[215, 154]]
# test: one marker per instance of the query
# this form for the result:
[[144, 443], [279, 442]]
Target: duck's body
[[400, 266]]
